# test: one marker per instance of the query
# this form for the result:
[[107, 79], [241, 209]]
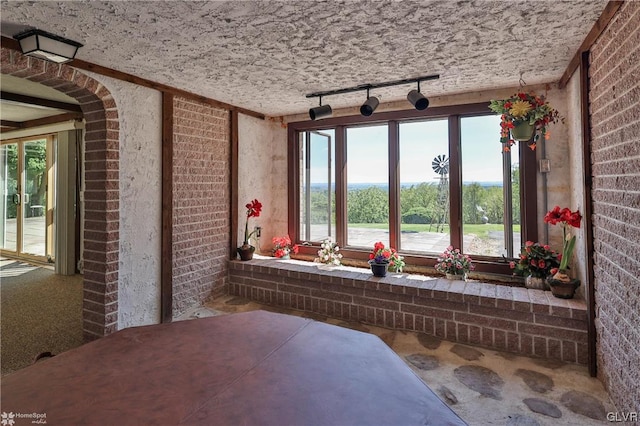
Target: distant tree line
[[421, 203]]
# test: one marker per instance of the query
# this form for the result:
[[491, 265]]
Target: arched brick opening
[[101, 183]]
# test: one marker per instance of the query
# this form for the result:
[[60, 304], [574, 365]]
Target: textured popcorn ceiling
[[266, 55]]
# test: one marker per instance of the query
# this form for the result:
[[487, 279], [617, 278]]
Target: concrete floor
[[483, 386]]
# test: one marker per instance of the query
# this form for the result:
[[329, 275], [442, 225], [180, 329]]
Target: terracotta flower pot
[[563, 289]]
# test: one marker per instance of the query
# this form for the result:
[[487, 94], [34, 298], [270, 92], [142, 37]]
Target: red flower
[[541, 264], [295, 249], [279, 253], [574, 219], [512, 265], [254, 208], [507, 105], [553, 216], [553, 271]]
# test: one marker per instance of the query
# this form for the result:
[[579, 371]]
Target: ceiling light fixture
[[322, 111], [47, 46], [415, 97], [370, 105]]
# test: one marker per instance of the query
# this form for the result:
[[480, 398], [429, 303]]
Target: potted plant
[[535, 264], [563, 286], [246, 250], [282, 247], [524, 117], [382, 258], [454, 264], [329, 254]]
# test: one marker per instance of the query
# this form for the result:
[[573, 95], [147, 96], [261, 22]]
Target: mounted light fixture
[[322, 111], [417, 99], [370, 105], [47, 46]]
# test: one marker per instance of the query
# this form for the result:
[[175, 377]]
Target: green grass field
[[481, 230]]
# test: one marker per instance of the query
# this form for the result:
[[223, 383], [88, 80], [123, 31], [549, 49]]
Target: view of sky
[[420, 143]]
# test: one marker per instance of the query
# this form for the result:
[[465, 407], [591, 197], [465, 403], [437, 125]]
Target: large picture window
[[418, 181]]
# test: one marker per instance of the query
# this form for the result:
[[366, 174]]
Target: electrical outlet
[[545, 165], [258, 230]]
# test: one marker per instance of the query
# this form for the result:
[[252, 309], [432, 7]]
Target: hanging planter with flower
[[524, 117]]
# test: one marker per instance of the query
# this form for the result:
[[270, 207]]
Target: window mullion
[[508, 204], [307, 190], [394, 185], [341, 185], [455, 182], [528, 196]]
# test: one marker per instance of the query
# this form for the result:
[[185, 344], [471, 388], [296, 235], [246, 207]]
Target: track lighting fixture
[[370, 105], [47, 46], [322, 111], [417, 99]]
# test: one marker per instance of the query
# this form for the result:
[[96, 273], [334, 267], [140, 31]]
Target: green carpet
[[39, 311]]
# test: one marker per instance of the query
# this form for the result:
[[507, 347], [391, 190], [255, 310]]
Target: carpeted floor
[[39, 312]]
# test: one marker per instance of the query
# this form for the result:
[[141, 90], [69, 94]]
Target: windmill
[[440, 165]]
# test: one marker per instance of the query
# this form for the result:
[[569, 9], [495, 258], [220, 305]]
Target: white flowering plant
[[329, 253]]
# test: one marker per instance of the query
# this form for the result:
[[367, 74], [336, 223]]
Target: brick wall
[[615, 143], [517, 320], [101, 182], [201, 209]]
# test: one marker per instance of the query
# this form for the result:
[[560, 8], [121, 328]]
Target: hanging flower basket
[[524, 117]]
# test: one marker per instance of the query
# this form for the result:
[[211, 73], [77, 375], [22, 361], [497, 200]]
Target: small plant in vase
[[454, 264], [536, 263], [524, 117], [329, 253], [561, 284], [383, 258], [246, 250], [282, 247]]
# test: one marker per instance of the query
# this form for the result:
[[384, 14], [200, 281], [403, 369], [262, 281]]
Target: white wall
[[140, 116], [262, 174], [577, 176]]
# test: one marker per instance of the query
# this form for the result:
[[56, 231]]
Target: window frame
[[453, 113]]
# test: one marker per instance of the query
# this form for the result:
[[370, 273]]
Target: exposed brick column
[[101, 179], [201, 207], [614, 110]]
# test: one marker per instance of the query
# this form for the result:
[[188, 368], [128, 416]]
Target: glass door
[[27, 211], [10, 203]]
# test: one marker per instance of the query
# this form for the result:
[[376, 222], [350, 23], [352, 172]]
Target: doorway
[[27, 179]]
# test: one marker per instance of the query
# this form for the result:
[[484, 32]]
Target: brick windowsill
[[513, 319]]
